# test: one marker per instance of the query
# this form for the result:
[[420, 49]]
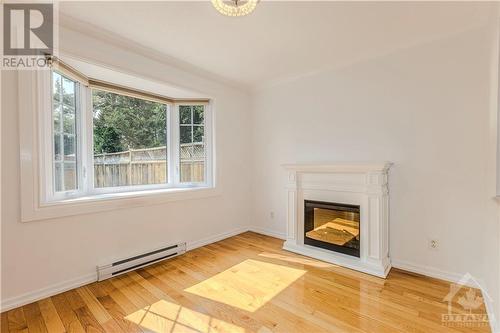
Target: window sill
[[113, 201]]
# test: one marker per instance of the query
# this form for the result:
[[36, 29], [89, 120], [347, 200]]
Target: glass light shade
[[234, 8]]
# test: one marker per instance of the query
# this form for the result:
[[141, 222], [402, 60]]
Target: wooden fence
[[147, 166]]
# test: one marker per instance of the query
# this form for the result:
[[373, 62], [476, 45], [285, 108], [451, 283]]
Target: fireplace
[[332, 226], [339, 213]]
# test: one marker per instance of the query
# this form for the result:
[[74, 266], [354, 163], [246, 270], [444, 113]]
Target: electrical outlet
[[271, 215], [433, 244]]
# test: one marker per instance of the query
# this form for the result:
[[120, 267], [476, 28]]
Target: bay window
[[105, 139]]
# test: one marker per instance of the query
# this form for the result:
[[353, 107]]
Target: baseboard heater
[[129, 264]]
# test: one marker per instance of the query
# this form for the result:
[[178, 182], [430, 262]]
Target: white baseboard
[[215, 238], [451, 277], [427, 271], [267, 232], [51, 290], [419, 269], [58, 288]]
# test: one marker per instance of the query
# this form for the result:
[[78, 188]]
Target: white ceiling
[[280, 39]]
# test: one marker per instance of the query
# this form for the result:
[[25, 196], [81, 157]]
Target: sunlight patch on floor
[[164, 316], [247, 285], [298, 260]]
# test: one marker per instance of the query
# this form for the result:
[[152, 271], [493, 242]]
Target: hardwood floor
[[245, 283]]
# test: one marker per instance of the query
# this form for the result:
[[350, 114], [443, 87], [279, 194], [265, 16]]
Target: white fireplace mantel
[[362, 184]]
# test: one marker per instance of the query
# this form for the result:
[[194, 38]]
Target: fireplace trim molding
[[363, 184]]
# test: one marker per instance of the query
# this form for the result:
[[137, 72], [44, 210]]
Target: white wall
[[38, 255], [427, 109]]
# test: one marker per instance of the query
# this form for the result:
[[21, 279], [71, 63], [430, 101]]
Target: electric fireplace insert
[[332, 226]]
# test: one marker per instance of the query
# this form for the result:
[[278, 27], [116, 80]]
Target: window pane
[[68, 88], [198, 152], [69, 176], [56, 87], [198, 114], [192, 163], [185, 114], [68, 120], [198, 133], [58, 177], [130, 139], [186, 134], [192, 147], [57, 147], [64, 132], [69, 147], [56, 116]]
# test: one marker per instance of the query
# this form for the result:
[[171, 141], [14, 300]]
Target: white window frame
[[207, 123], [39, 201], [47, 146], [89, 155]]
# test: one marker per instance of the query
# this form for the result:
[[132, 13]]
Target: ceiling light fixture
[[235, 7]]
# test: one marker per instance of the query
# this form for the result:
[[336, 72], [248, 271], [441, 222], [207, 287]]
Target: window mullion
[[191, 151], [88, 142], [192, 128], [208, 145], [170, 152], [81, 134], [61, 136], [47, 130], [176, 144]]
